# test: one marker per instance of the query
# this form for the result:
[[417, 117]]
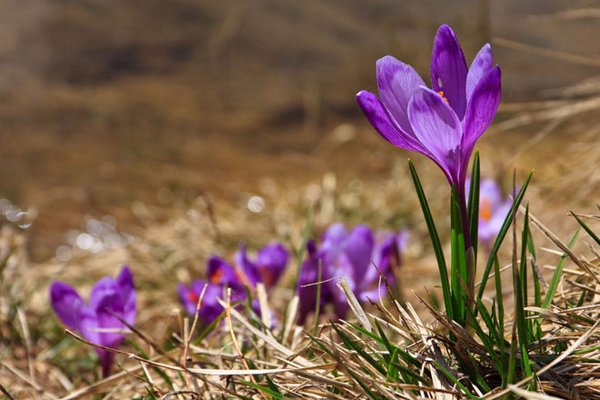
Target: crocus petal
[[335, 234], [249, 268], [341, 267], [220, 272], [397, 82], [90, 329], [127, 294], [89, 326], [340, 304], [67, 304], [188, 298], [481, 109], [358, 248], [104, 287], [271, 260], [331, 243], [488, 230], [307, 289], [384, 252], [374, 295], [438, 128], [481, 65], [449, 69], [211, 308], [112, 329], [383, 122], [490, 191]]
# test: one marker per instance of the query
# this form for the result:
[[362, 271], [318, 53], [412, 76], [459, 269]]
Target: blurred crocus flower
[[444, 122], [267, 267], [96, 320], [493, 209], [360, 256]]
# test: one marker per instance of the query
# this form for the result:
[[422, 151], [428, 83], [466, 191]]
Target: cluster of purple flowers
[[266, 268], [359, 255]]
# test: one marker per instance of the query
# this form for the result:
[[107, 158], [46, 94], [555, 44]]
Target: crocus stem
[[106, 362], [469, 251], [462, 198]]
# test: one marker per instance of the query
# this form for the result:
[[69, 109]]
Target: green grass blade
[[520, 290], [499, 299], [458, 383], [364, 387], [275, 394], [435, 240], [586, 228], [359, 349], [558, 273]]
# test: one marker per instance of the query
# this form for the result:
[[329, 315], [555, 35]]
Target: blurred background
[[107, 106]]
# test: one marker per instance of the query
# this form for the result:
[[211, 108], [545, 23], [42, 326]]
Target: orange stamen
[[266, 275], [485, 210], [216, 277], [193, 297], [441, 93]]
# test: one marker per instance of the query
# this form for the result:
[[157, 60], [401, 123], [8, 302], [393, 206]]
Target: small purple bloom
[[210, 308], [95, 320], [444, 122], [359, 256], [267, 268]]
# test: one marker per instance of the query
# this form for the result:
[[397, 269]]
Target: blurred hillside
[[106, 102]]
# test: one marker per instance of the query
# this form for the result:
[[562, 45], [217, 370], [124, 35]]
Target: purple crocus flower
[[267, 268], [443, 122], [359, 256], [210, 308], [96, 320], [220, 276]]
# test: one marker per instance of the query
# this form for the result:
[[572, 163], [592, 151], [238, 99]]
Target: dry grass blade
[[355, 305], [269, 339], [530, 395]]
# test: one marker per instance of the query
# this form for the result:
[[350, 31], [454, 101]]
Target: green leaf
[[558, 273]]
